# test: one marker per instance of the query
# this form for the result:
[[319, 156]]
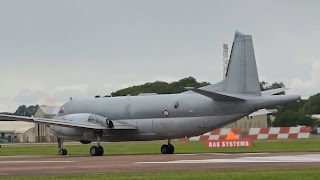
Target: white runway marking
[[197, 154], [268, 159], [219, 154], [22, 156], [255, 153], [18, 162]]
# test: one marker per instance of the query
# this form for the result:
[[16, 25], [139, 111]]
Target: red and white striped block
[[218, 134], [280, 133]]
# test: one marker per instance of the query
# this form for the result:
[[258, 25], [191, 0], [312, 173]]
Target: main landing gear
[[94, 150], [167, 148], [97, 150]]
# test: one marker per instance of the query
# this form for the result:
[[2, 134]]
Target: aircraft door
[[129, 113]]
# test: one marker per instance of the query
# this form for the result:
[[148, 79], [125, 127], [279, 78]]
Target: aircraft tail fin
[[242, 76]]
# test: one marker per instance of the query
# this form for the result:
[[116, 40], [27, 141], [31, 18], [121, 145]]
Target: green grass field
[[153, 147], [285, 174]]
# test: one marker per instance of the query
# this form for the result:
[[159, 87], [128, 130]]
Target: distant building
[[316, 116], [7, 135], [17, 131], [246, 123], [42, 131]]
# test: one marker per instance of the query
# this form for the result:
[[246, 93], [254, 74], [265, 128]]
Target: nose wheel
[[62, 151]]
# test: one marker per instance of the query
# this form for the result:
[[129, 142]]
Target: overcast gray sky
[[81, 48]]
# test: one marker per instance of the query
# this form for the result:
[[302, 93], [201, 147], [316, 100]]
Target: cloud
[[32, 97], [64, 93], [82, 88], [48, 101], [309, 87], [8, 105], [27, 96]]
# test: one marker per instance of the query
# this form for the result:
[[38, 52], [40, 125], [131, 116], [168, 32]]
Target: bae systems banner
[[229, 143]]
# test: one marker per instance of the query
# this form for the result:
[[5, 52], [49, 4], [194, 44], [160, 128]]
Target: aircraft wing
[[263, 111], [117, 124], [273, 91]]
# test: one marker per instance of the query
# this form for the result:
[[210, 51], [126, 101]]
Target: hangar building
[[16, 131], [245, 123], [42, 131]]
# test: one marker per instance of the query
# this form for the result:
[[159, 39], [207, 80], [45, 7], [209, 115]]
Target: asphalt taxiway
[[57, 165]]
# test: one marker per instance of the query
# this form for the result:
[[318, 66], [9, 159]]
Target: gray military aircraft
[[164, 117]]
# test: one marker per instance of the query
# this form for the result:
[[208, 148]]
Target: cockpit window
[[61, 111]]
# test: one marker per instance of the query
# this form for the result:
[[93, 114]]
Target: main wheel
[[63, 152], [167, 149], [171, 149], [96, 151], [101, 151], [164, 149]]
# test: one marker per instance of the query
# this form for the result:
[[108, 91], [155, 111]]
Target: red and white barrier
[[218, 134], [279, 133], [301, 132]]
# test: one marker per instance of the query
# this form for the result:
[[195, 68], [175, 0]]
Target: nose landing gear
[[62, 151]]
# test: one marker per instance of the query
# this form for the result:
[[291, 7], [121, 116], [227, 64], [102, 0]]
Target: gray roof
[[15, 126]]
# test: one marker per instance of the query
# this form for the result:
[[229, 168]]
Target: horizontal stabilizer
[[263, 111], [273, 91], [214, 95]]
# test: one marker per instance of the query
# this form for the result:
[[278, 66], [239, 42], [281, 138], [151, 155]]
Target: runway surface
[[57, 165]]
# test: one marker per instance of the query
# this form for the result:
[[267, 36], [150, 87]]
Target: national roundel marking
[[166, 113]]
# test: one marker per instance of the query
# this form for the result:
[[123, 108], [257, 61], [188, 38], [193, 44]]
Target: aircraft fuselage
[[157, 116]]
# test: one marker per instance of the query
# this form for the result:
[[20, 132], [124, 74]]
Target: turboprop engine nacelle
[[86, 117]]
